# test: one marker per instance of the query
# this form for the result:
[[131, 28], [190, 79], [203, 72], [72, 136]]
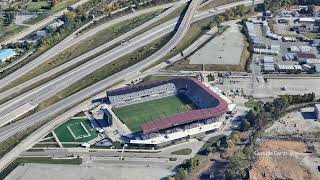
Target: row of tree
[[275, 5]]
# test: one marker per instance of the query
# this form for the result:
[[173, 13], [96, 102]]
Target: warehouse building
[[304, 57], [317, 111]]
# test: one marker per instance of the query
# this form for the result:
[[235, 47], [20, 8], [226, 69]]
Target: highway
[[84, 56], [51, 88], [72, 40], [74, 99]]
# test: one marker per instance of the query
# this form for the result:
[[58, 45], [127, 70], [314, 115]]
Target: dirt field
[[286, 160], [298, 122]]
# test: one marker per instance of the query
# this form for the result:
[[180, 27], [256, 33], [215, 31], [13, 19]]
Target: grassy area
[[43, 160], [201, 154], [35, 20], [152, 78], [36, 6], [12, 141], [7, 31], [76, 130], [43, 5], [185, 151], [311, 35], [135, 115], [251, 103], [63, 4], [215, 3], [84, 46], [116, 66]]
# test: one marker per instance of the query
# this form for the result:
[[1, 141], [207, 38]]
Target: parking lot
[[217, 51]]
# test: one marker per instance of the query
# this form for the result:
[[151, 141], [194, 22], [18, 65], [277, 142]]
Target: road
[[72, 40], [71, 101], [84, 56], [177, 37], [38, 25], [74, 99], [51, 88], [9, 130]]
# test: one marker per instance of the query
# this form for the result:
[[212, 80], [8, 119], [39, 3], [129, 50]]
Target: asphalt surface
[[51, 88], [74, 99], [84, 56], [72, 40]]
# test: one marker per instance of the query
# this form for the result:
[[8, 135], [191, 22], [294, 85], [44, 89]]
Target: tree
[[237, 168], [181, 174], [8, 17], [245, 125]]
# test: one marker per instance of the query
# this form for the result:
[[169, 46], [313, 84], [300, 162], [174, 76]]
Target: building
[[312, 61], [307, 68], [6, 54], [265, 51], [289, 39], [304, 57], [289, 68], [316, 68], [268, 59], [317, 111], [268, 68], [289, 57], [307, 20], [167, 129], [252, 34], [55, 25]]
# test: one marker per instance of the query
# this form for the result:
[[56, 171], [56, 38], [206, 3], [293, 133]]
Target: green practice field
[[76, 130], [135, 115]]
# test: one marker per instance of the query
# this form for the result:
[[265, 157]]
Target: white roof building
[[268, 59], [307, 20]]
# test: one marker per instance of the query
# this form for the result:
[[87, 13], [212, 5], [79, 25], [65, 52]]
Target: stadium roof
[[187, 117]]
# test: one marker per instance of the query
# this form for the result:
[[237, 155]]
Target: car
[[283, 21]]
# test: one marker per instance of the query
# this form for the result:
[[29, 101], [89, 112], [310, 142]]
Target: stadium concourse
[[208, 108]]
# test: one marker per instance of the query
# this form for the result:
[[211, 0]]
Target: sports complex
[[164, 111]]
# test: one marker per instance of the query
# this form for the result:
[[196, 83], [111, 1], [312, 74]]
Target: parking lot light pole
[[125, 145]]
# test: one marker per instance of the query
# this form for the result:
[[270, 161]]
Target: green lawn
[[7, 31], [36, 6], [135, 115], [35, 20], [64, 134], [185, 151]]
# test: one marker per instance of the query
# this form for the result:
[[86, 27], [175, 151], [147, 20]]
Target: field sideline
[[135, 115]]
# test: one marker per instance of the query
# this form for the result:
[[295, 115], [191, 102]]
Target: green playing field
[[135, 115], [76, 130]]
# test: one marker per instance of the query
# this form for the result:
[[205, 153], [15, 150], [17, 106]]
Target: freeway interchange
[[74, 102]]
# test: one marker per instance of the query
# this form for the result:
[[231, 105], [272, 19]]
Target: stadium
[[165, 111]]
